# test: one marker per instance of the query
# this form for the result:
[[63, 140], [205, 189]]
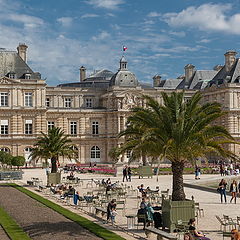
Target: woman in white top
[[234, 191]]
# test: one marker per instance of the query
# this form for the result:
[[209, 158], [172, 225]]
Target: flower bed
[[98, 170]]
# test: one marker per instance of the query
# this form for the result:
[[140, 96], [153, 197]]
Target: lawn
[[85, 223], [11, 227]]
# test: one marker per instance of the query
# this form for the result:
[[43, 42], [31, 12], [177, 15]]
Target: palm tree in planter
[[53, 145], [179, 131]]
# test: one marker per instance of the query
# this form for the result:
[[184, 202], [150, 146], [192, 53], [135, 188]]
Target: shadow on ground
[[46, 230]]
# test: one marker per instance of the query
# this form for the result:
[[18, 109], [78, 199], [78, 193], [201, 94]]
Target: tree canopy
[[177, 130], [53, 145]]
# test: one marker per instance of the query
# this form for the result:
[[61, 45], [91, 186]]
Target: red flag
[[124, 48]]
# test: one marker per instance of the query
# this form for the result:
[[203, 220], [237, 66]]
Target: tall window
[[5, 149], [50, 125], [28, 127], [68, 102], [28, 100], [95, 152], [4, 127], [47, 102], [4, 99], [73, 128], [95, 128], [89, 102]]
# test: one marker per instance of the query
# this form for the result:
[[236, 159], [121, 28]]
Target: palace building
[[94, 110]]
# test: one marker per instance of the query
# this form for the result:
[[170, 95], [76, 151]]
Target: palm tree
[[53, 145], [179, 131]]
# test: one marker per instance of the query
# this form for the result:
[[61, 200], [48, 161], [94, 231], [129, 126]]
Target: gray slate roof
[[170, 83], [99, 79], [231, 76], [200, 78], [103, 74], [11, 62]]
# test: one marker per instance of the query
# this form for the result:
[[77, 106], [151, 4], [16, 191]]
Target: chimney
[[22, 51], [156, 80], [217, 67], [189, 71], [82, 73], [230, 58]]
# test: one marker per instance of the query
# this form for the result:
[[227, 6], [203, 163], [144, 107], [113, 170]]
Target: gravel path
[[39, 221], [3, 235]]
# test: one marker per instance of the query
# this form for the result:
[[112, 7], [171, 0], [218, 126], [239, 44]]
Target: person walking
[[129, 173], [199, 172], [221, 170], [231, 168], [234, 191], [125, 173], [196, 172], [111, 210], [222, 190]]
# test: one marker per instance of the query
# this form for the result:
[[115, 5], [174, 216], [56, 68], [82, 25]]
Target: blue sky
[[162, 36]]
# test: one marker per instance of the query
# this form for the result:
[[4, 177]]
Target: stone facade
[[94, 110]]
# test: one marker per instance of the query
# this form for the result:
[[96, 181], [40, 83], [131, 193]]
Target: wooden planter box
[[173, 211], [53, 178], [145, 171]]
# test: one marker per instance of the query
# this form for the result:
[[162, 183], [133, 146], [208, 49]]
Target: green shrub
[[18, 161]]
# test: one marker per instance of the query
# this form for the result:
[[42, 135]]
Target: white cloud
[[26, 20], [154, 14], [210, 17], [65, 21], [110, 15], [204, 40], [178, 34], [108, 4], [103, 35], [89, 15]]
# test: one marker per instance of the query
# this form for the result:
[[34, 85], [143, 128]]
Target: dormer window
[[27, 76], [12, 75], [89, 102]]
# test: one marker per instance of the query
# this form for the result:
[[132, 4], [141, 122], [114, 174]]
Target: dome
[[124, 78]]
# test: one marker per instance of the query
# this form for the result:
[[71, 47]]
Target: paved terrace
[[210, 202]]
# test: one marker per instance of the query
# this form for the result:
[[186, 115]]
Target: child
[[113, 215]]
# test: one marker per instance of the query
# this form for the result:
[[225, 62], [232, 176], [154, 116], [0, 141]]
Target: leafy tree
[[5, 158], [179, 131], [53, 145], [18, 161]]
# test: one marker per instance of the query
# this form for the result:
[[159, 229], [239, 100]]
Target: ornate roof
[[124, 78]]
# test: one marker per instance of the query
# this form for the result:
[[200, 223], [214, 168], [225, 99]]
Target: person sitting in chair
[[150, 212], [71, 176], [194, 232]]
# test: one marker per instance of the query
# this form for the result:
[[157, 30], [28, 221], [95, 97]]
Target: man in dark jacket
[[125, 173]]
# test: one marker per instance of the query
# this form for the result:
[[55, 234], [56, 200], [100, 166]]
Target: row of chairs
[[228, 223]]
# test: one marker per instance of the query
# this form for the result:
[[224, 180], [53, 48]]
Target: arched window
[[95, 154], [5, 149]]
